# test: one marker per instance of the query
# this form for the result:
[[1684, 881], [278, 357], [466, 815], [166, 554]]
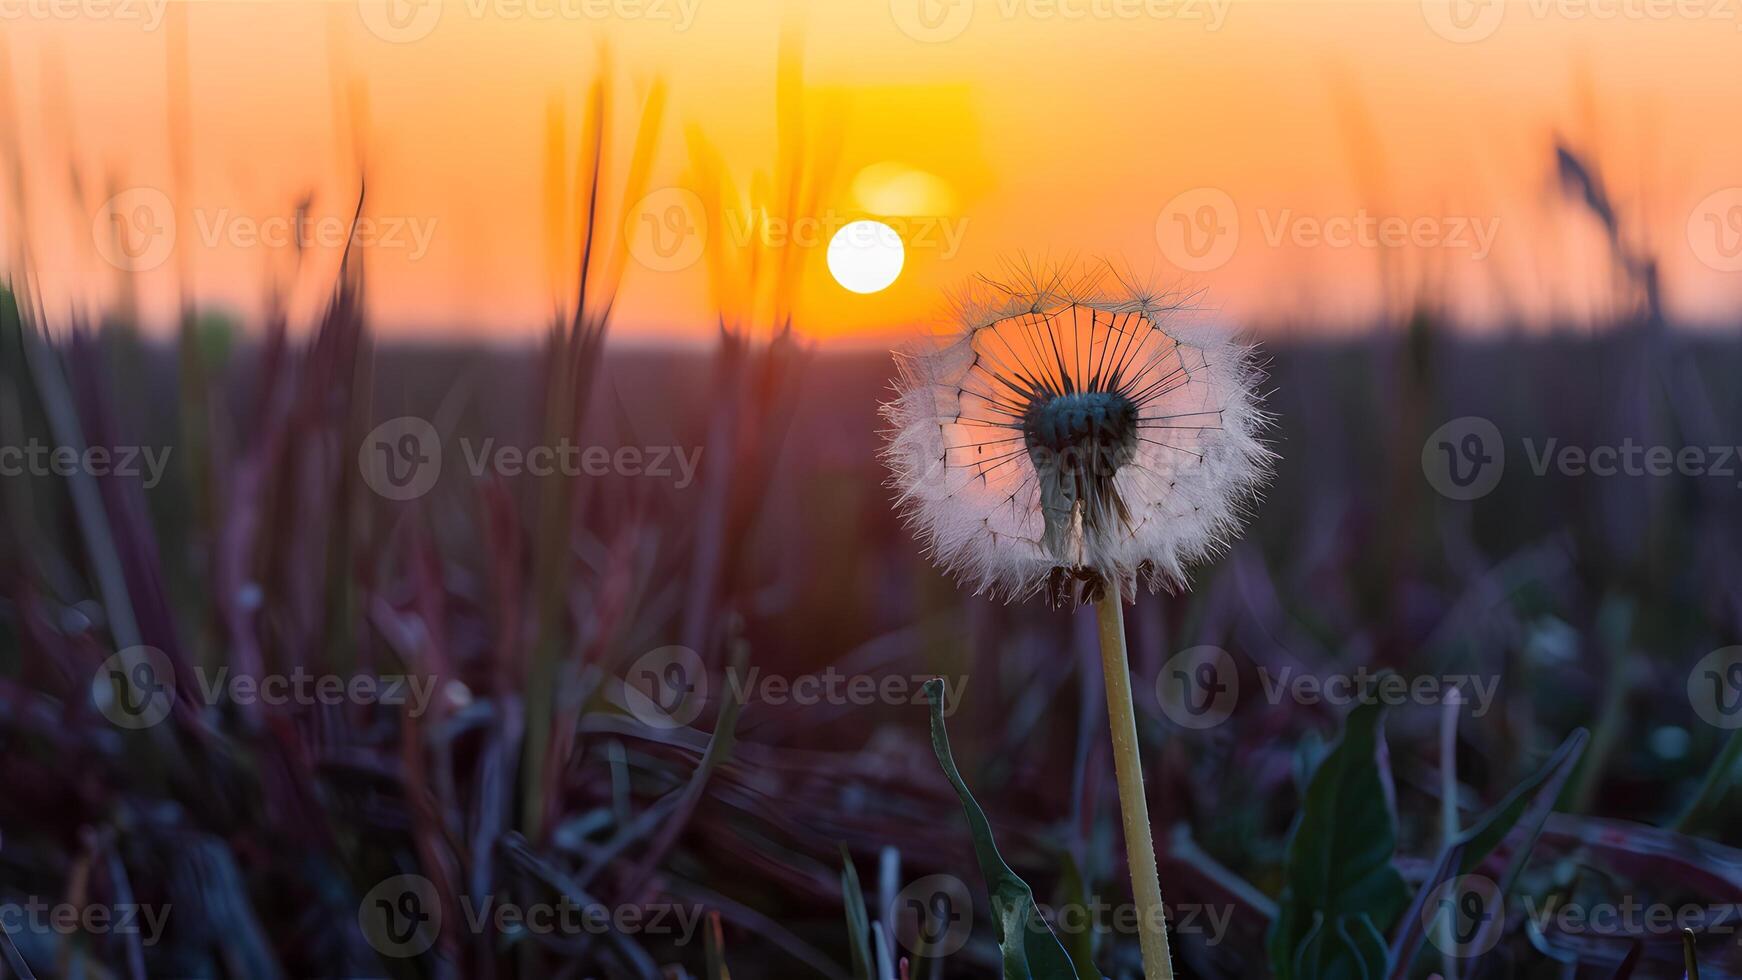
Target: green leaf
[[858, 922], [1074, 894], [1526, 808], [1535, 795], [1341, 893], [1031, 950]]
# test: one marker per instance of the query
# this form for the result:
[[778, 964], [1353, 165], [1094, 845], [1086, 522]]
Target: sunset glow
[[1350, 159]]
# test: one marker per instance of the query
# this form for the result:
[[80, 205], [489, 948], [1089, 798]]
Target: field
[[787, 815]]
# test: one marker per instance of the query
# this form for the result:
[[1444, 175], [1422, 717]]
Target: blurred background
[[439, 466]]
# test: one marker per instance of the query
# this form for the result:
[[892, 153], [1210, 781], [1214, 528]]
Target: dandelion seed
[[1069, 437]]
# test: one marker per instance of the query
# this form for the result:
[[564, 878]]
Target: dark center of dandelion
[[1077, 442], [1086, 432]]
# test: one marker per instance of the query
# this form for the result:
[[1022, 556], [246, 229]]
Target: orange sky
[[1291, 158]]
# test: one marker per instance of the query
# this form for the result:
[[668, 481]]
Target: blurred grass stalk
[[576, 345], [1128, 768]]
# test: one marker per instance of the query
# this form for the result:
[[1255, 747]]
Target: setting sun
[[866, 256]]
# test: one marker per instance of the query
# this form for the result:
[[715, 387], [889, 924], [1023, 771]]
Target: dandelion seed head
[[1070, 435]]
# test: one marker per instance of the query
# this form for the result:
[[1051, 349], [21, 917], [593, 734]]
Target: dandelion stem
[[1128, 767]]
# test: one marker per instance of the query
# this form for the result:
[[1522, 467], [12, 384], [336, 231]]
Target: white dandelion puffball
[[1066, 437]]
